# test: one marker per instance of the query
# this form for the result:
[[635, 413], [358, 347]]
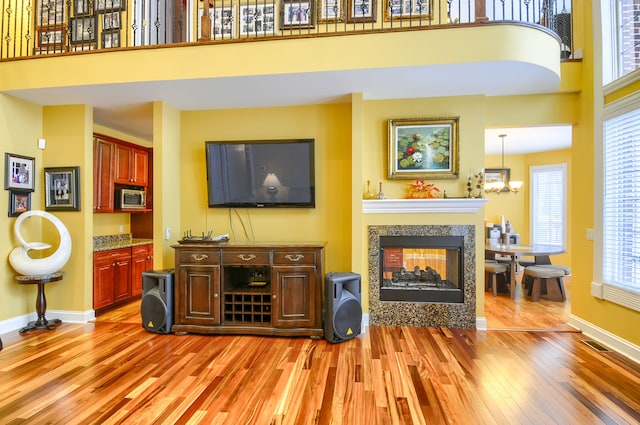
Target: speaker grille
[[347, 316], [153, 310]]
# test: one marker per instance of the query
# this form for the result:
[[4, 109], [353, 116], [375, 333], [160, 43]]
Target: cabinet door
[[294, 293], [140, 167], [103, 280], [198, 301], [123, 164], [103, 185], [123, 277], [141, 261]]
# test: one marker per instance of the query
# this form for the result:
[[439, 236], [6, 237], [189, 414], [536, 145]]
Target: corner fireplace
[[422, 268], [422, 275]]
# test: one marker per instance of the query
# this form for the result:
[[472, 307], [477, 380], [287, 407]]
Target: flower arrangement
[[422, 190]]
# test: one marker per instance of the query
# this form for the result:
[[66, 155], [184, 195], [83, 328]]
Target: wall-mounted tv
[[261, 173]]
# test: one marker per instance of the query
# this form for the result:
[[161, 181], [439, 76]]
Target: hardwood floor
[[113, 371], [521, 313]]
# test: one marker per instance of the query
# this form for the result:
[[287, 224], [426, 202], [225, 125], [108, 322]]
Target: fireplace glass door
[[421, 269]]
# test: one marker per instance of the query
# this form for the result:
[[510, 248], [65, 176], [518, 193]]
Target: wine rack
[[247, 307]]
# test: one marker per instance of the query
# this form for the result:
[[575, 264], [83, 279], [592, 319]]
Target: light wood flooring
[[521, 313], [114, 372]]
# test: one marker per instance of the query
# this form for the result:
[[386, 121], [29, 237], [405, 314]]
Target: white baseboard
[[18, 322], [365, 323], [612, 341], [481, 323], [72, 316]]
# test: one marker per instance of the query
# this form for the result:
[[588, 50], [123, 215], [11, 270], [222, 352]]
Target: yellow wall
[[373, 157], [515, 207], [20, 128], [607, 316], [166, 187], [351, 147], [511, 205], [67, 130], [330, 221]]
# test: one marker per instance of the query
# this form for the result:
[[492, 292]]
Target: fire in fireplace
[[422, 268]]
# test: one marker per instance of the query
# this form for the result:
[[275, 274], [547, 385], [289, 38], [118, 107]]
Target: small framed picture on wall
[[62, 186], [19, 172], [19, 202]]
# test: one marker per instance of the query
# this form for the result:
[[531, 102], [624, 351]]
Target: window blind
[[621, 201], [548, 204]]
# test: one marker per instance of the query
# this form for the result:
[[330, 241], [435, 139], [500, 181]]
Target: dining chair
[[493, 269], [544, 280]]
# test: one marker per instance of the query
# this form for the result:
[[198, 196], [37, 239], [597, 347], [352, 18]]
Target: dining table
[[515, 251]]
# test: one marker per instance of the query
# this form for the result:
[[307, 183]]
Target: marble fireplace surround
[[422, 314]]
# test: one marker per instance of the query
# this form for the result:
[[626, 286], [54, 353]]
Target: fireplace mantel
[[448, 205]]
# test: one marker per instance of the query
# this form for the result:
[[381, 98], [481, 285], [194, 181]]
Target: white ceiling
[[523, 140]]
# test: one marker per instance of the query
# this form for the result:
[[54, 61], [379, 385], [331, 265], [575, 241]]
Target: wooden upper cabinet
[[131, 166], [118, 164], [103, 163]]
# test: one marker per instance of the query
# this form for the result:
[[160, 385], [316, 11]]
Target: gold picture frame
[[424, 148]]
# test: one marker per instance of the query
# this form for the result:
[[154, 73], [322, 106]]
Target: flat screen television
[[261, 173]]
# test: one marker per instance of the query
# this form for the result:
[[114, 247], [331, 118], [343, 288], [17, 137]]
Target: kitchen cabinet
[[131, 166], [117, 275], [111, 277], [119, 165], [103, 176], [141, 261]]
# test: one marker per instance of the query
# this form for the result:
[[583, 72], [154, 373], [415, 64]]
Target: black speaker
[[343, 313], [157, 301]]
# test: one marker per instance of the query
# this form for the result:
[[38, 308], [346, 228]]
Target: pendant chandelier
[[504, 185]]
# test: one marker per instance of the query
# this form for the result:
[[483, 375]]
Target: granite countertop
[[105, 243]]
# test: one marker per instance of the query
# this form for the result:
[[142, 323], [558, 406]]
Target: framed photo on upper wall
[[361, 11], [62, 189], [19, 172], [297, 14], [258, 19], [425, 148], [330, 11]]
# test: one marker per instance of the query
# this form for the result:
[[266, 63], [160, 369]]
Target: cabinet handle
[[215, 295], [294, 258], [244, 257], [199, 257], [274, 296]]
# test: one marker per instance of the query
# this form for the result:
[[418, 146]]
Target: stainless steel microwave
[[127, 199]]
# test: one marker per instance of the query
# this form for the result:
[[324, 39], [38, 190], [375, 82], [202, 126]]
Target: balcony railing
[[66, 26]]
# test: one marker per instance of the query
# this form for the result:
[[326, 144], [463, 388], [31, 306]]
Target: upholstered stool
[[538, 280], [565, 269], [491, 272]]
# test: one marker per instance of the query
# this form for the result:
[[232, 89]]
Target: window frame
[[561, 197], [612, 37], [610, 291]]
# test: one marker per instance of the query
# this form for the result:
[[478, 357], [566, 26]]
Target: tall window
[[549, 205], [621, 201], [620, 38]]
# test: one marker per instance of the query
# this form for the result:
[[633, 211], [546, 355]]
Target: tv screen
[[261, 173]]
